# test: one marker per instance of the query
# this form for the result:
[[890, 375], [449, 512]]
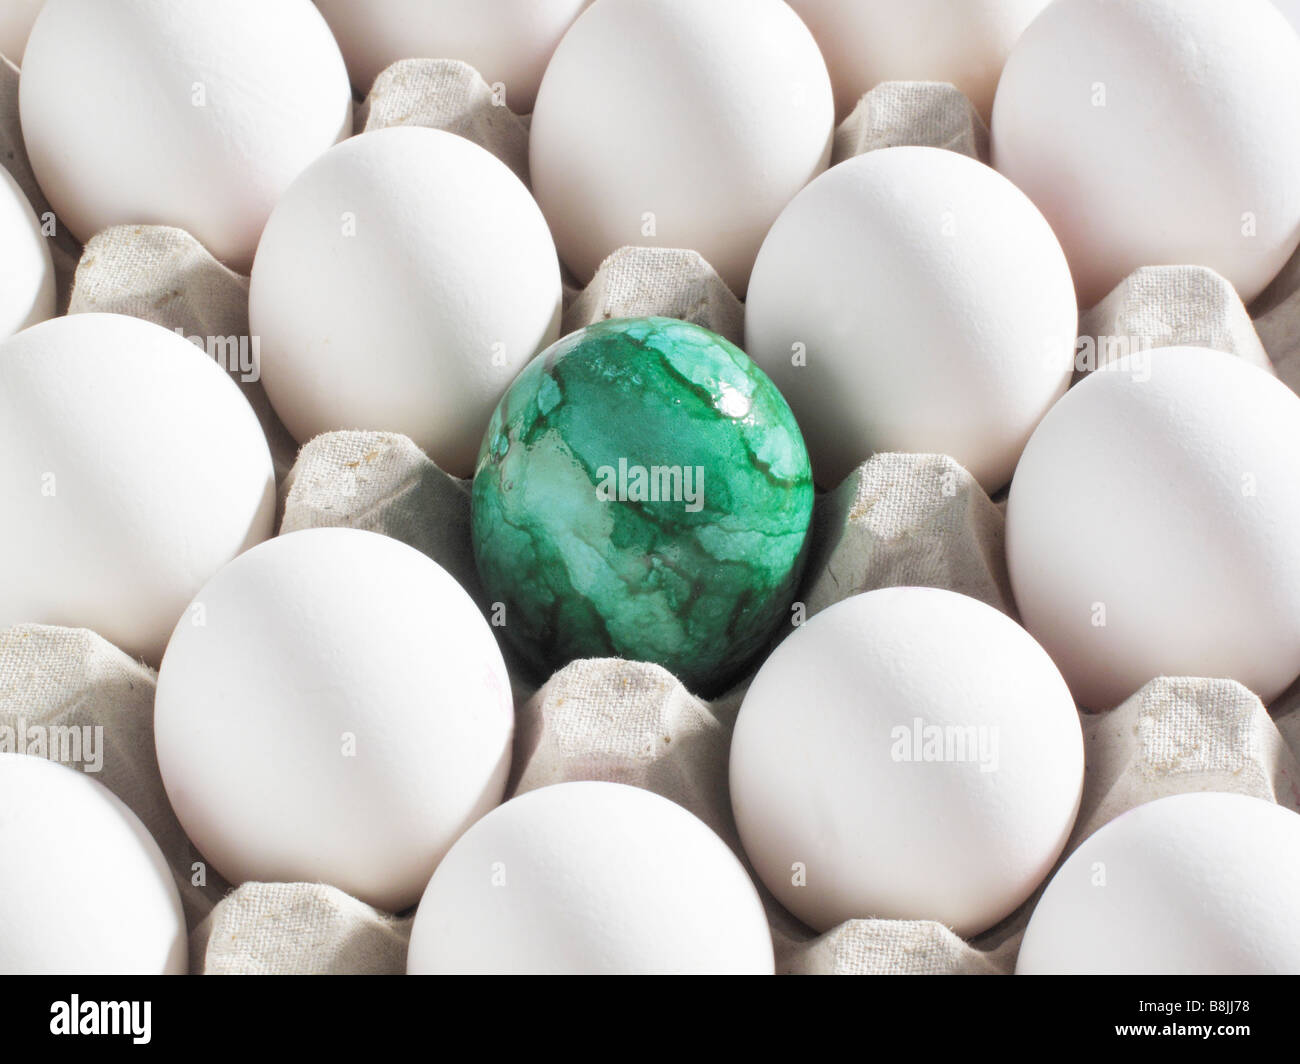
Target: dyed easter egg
[[643, 491]]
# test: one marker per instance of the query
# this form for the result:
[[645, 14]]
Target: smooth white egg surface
[[1192, 884], [672, 123], [86, 890], [16, 19], [911, 299], [1291, 9], [432, 282], [595, 879], [1150, 527], [907, 754], [1157, 132], [333, 708], [187, 113], [962, 42], [509, 42], [131, 470], [27, 286]]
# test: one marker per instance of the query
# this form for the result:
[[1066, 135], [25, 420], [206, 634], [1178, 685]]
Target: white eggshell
[[509, 42], [131, 469], [432, 281], [962, 42], [86, 890], [27, 293], [907, 754], [1192, 884], [672, 123], [590, 879], [333, 709], [1151, 527], [1291, 9], [190, 113], [16, 18], [911, 299], [1158, 132]]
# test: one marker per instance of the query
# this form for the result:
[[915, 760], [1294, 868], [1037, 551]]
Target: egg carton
[[897, 520]]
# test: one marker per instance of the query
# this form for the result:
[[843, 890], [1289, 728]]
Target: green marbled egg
[[644, 492]]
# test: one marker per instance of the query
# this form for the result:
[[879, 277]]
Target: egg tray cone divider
[[897, 520]]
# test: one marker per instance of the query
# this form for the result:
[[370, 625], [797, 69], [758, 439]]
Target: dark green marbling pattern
[[698, 581]]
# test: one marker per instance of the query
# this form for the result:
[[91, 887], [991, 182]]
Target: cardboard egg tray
[[897, 520]]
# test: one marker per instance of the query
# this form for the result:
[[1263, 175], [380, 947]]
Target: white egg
[[333, 708], [907, 754], [190, 113], [672, 123], [86, 890], [131, 469], [432, 282], [1192, 884], [1151, 527], [1291, 9], [16, 18], [509, 42], [962, 42], [590, 879], [27, 292], [911, 299], [1158, 132]]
